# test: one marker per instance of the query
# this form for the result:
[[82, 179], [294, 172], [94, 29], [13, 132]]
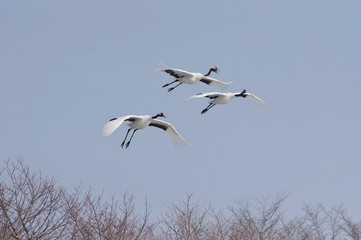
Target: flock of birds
[[181, 77]]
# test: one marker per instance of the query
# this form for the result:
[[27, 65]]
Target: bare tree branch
[[34, 207]]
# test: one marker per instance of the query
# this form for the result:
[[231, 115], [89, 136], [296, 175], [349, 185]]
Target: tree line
[[35, 207]]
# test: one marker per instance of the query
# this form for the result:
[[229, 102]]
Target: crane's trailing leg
[[127, 145], [170, 89], [207, 108], [166, 85], [125, 138]]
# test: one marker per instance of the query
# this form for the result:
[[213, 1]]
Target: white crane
[[224, 98], [192, 78], [140, 122]]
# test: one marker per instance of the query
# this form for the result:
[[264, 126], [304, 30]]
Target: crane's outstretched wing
[[255, 98], [114, 123], [215, 82], [209, 95], [177, 73], [177, 138]]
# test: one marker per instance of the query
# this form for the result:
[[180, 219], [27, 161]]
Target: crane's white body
[[224, 98], [192, 77], [217, 98], [140, 122]]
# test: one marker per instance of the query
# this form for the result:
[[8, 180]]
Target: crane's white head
[[214, 69]]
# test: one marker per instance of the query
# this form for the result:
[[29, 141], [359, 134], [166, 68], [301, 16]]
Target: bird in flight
[[224, 98], [140, 122], [191, 78]]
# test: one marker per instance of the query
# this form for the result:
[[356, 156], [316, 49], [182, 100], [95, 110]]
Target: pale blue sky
[[67, 67]]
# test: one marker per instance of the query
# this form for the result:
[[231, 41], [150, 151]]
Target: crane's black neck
[[158, 115], [242, 94], [209, 72]]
